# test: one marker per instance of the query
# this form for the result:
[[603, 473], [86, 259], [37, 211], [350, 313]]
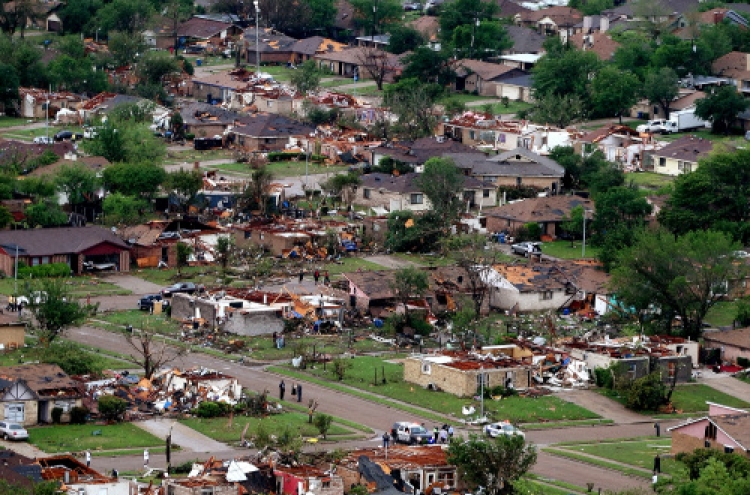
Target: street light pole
[[15, 275], [583, 248], [257, 40]]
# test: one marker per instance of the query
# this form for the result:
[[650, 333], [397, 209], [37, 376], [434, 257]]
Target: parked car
[[496, 429], [13, 431], [195, 49], [43, 140], [90, 132], [410, 433], [147, 302], [652, 126], [66, 135], [412, 6], [182, 287], [527, 248]]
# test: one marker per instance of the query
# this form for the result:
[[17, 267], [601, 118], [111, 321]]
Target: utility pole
[[257, 40], [583, 247]]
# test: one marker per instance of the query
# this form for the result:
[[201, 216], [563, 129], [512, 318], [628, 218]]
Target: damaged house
[[461, 373], [400, 469], [231, 314], [29, 393], [548, 212]]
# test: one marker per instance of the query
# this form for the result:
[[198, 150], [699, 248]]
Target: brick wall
[[12, 336], [459, 382], [682, 442]]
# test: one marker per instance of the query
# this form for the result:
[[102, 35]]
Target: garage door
[[510, 92], [14, 412]]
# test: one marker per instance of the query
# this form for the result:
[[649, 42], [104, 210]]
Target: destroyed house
[[638, 358], [206, 120], [461, 373], [151, 245], [232, 314], [371, 291], [79, 478], [29, 393], [222, 86], [19, 470], [33, 104], [292, 480], [409, 469], [12, 332], [209, 384], [271, 46], [547, 285]]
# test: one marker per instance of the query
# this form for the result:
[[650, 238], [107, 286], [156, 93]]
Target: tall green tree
[[427, 65], [375, 16], [124, 47], [714, 196], [121, 209], [505, 459], [343, 185], [45, 213], [679, 276], [409, 283], [306, 78], [77, 182], [129, 16], [53, 308], [134, 179], [483, 41], [77, 15], [185, 184], [154, 65], [558, 110], [568, 73], [614, 91], [442, 182], [8, 85], [404, 39], [464, 13], [660, 88], [721, 108], [414, 102]]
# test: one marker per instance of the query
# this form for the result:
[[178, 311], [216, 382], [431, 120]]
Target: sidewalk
[[187, 438]]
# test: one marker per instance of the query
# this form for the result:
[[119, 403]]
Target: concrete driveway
[[185, 437], [134, 284]]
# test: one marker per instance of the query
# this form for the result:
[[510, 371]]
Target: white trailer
[[684, 120]]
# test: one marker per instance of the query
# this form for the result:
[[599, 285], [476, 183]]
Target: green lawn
[[464, 98], [701, 133], [513, 107], [79, 287], [626, 470], [361, 89], [649, 180], [6, 121], [282, 169], [190, 155], [139, 319], [33, 354], [722, 314], [689, 398], [563, 249], [206, 275], [638, 453], [30, 134], [76, 438], [220, 430], [517, 409]]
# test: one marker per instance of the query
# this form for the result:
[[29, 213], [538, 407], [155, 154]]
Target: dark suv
[[182, 287], [67, 135], [147, 302]]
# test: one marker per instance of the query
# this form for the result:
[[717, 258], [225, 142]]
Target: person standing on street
[[386, 439], [282, 389], [88, 458], [145, 459], [299, 393], [301, 274]]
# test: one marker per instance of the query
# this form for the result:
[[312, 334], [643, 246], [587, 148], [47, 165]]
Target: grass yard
[[638, 453], [563, 249], [263, 348], [6, 121], [722, 314], [596, 461], [649, 180], [190, 155], [220, 430], [76, 438], [464, 98], [209, 276], [361, 375], [690, 398], [281, 169], [700, 133], [33, 354], [30, 134], [139, 319], [363, 88], [79, 287], [513, 107]]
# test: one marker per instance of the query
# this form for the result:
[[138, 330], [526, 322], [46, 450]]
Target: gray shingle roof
[[64, 240], [519, 162]]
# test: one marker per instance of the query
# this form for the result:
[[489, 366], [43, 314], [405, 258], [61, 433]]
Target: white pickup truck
[[652, 126]]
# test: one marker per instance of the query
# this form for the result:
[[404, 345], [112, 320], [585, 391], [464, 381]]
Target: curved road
[[378, 417]]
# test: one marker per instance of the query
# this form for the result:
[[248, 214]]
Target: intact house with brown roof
[[273, 47], [403, 192], [600, 43], [267, 132], [681, 156], [546, 285], [525, 39], [552, 21], [515, 168], [732, 344], [548, 212], [736, 66], [71, 245], [12, 332], [356, 60], [207, 30], [726, 429], [482, 77], [417, 152], [28, 393]]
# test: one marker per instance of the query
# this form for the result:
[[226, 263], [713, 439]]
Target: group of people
[[14, 304], [296, 391], [316, 276], [443, 434]]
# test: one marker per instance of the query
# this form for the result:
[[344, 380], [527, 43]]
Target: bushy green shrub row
[[42, 271]]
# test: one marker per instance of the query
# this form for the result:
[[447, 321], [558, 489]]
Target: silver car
[[13, 431], [496, 429]]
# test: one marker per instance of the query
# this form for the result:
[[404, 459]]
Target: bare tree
[[149, 353], [376, 63], [476, 262]]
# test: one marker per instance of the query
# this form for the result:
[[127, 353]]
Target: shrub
[[42, 271], [647, 393], [72, 359], [210, 409], [112, 408], [56, 415], [189, 136], [744, 362], [323, 423], [78, 415]]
